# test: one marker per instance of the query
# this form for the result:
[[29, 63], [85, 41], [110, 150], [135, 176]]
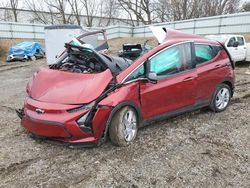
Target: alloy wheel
[[129, 122], [222, 98]]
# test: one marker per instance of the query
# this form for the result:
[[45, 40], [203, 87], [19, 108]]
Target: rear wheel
[[221, 98], [124, 126]]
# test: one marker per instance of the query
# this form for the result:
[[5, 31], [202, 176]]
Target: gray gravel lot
[[198, 149]]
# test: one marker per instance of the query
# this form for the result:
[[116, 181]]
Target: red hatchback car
[[87, 96]]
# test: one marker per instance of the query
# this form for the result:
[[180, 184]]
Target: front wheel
[[221, 98], [124, 126]]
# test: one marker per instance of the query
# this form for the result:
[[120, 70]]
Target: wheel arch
[[116, 109], [212, 105], [120, 106], [226, 81], [230, 84]]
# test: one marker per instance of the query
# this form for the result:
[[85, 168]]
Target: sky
[[22, 4]]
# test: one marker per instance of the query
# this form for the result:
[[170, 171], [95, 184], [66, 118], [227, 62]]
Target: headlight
[[83, 123], [83, 107]]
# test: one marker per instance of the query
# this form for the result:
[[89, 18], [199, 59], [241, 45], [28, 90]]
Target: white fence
[[233, 23], [21, 30]]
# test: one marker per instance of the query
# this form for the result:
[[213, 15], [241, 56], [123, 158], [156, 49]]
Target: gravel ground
[[198, 149]]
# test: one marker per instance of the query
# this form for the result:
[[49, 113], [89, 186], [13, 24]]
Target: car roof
[[174, 36], [163, 34], [171, 36]]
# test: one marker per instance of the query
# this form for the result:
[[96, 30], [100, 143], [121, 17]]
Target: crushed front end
[[67, 123], [62, 100]]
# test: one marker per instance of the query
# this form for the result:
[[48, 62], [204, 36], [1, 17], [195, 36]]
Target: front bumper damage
[[58, 123]]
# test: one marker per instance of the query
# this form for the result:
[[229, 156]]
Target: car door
[[233, 51], [209, 68], [242, 49], [176, 82]]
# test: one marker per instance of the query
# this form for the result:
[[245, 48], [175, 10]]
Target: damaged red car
[[87, 96]]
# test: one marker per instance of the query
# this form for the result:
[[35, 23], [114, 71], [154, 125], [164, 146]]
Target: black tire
[[117, 127], [214, 105]]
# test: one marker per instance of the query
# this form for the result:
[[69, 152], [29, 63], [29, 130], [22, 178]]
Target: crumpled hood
[[54, 86]]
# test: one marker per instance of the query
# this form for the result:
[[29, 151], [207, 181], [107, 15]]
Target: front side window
[[203, 53], [231, 42], [139, 72], [240, 41], [167, 62]]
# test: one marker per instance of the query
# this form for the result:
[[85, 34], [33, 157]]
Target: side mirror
[[236, 44], [152, 77]]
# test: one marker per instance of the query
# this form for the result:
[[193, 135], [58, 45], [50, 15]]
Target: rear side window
[[240, 41], [204, 53]]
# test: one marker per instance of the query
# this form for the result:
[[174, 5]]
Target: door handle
[[188, 79], [245, 47], [218, 66]]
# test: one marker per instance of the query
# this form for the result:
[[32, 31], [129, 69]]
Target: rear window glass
[[204, 53]]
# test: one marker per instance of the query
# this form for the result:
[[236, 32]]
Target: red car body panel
[[41, 128], [167, 95], [211, 74], [56, 93], [54, 115], [127, 93], [62, 124], [62, 87]]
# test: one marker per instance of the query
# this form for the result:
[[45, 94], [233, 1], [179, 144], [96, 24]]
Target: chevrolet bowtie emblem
[[39, 111]]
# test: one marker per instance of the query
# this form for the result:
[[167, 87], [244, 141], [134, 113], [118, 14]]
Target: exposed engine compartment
[[79, 61], [82, 59]]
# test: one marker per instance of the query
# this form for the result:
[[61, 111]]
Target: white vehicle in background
[[236, 45]]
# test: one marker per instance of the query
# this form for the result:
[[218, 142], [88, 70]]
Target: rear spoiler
[[230, 58]]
